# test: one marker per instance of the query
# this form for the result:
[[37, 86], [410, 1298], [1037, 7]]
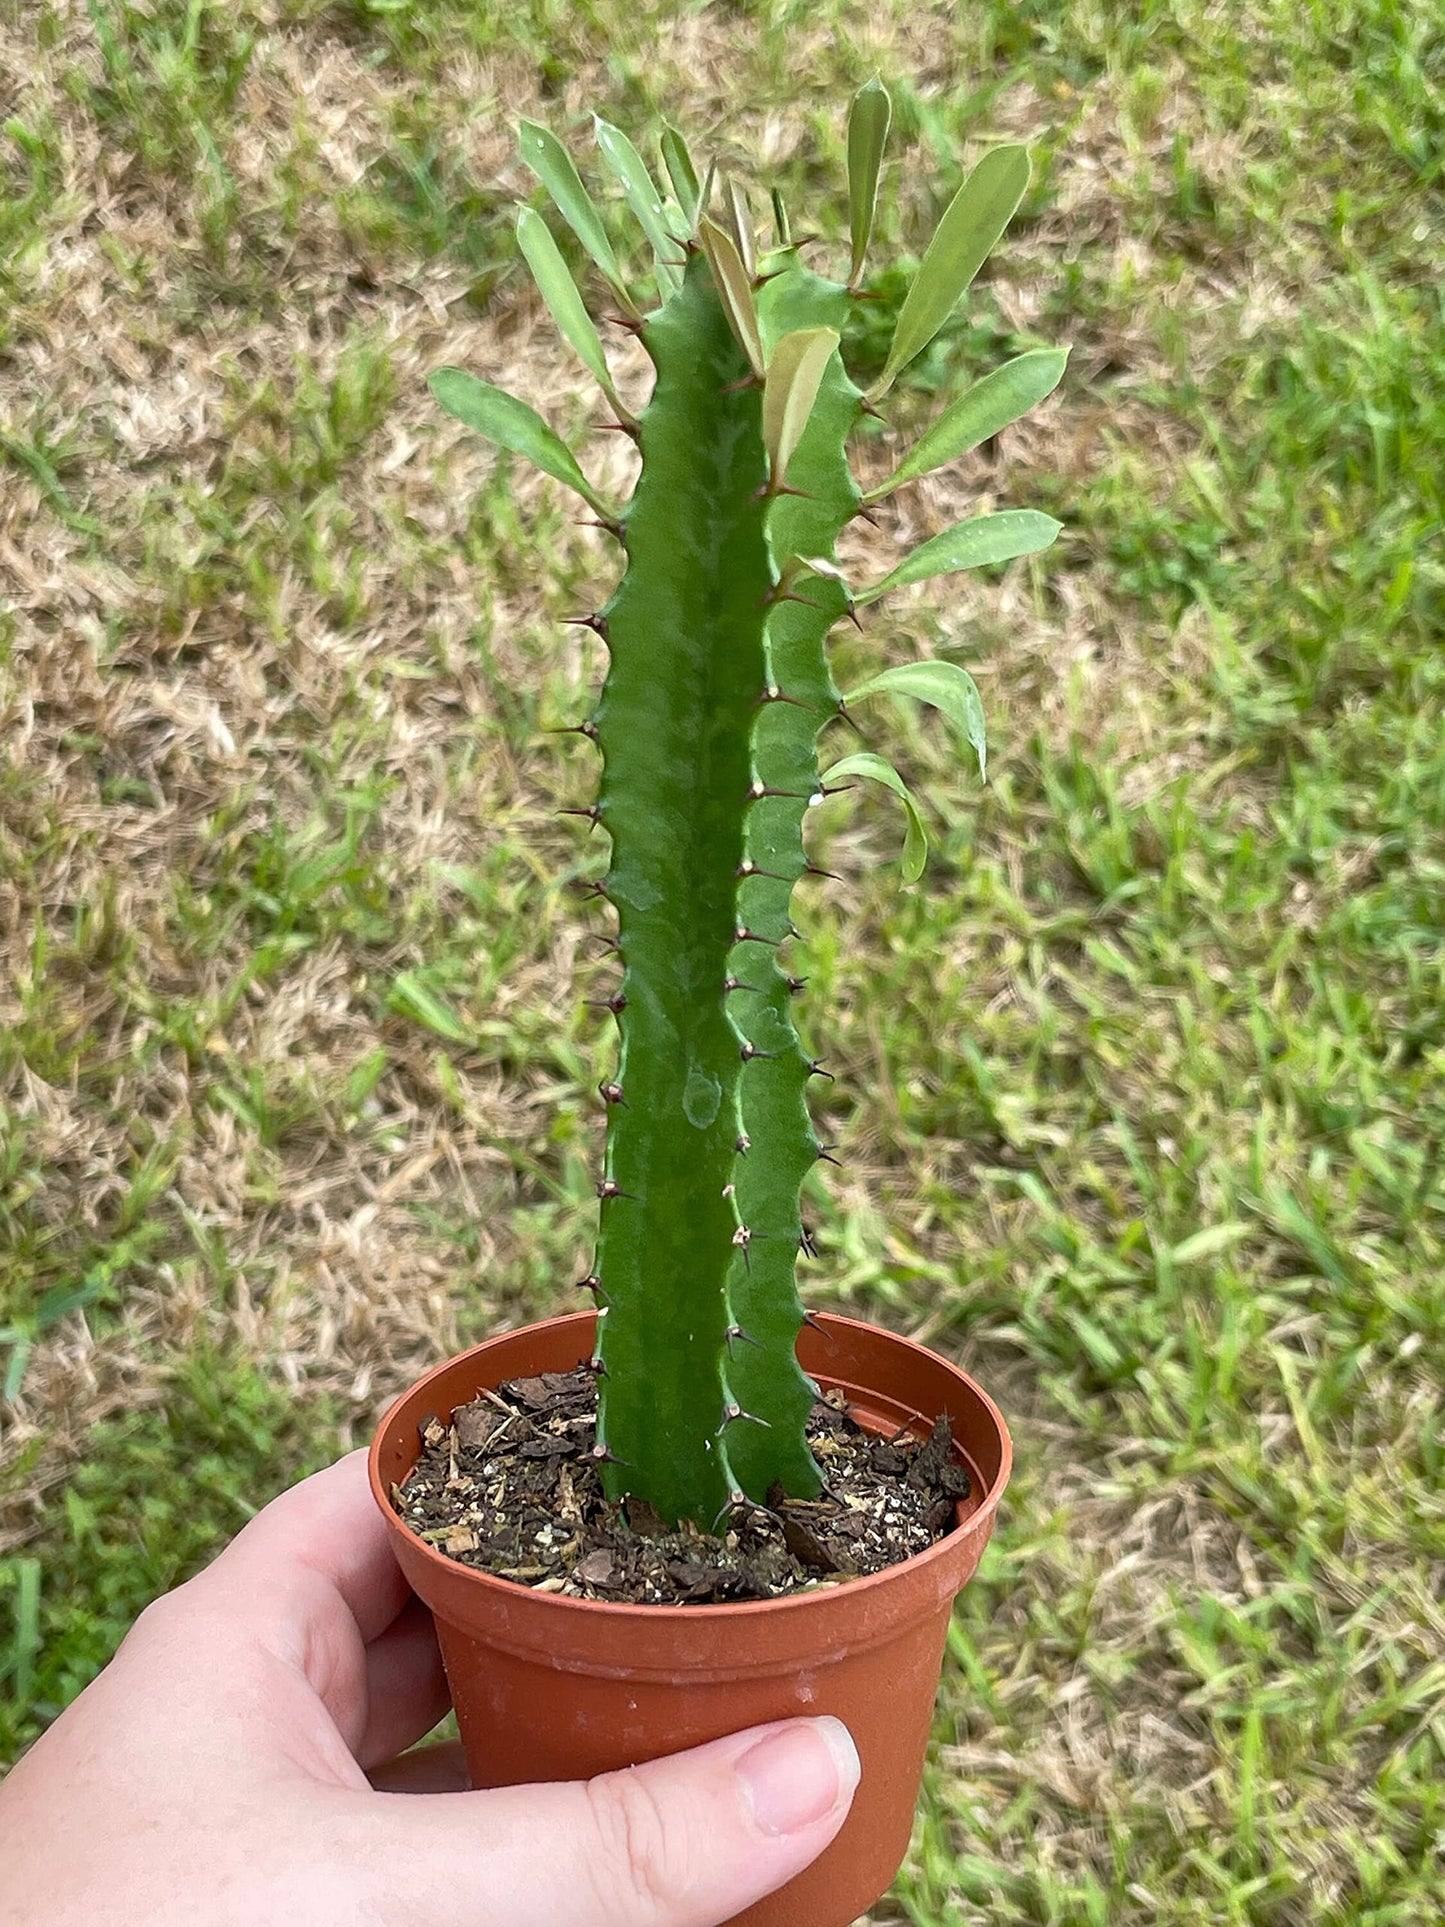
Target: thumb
[[688, 1841]]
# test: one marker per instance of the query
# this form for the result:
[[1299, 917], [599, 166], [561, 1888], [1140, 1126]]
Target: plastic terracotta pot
[[551, 1688]]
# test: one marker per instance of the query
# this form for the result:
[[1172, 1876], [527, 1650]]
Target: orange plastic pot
[[551, 1688]]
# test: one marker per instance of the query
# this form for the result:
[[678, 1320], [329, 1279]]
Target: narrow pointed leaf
[[946, 687], [782, 226], [552, 164], [865, 763], [682, 173], [735, 290], [511, 424], [990, 405], [560, 292], [968, 545], [740, 227], [645, 201], [972, 223], [795, 370], [868, 124]]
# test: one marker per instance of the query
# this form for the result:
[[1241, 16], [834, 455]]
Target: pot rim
[[641, 1614]]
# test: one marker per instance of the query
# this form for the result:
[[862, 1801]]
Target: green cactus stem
[[717, 686]]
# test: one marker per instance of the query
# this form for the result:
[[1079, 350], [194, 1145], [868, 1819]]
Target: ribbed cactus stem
[[714, 694]]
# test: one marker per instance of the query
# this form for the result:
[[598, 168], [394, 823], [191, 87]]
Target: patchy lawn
[[1140, 1099]]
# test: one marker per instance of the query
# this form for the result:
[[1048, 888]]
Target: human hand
[[230, 1766]]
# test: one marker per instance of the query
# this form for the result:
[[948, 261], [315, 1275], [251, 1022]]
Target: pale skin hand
[[230, 1767]]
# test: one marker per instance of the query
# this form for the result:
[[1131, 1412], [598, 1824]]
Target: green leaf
[[795, 370], [990, 405], [740, 226], [972, 222], [682, 173], [560, 292], [878, 770], [942, 684], [968, 545], [511, 424], [644, 200], [868, 124], [411, 996], [782, 226], [552, 164], [735, 290]]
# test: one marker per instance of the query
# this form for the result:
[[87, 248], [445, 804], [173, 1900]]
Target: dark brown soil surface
[[510, 1486]]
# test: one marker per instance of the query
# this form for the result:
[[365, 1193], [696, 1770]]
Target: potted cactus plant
[[707, 1367]]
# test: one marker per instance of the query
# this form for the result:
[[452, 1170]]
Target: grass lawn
[[1140, 1098]]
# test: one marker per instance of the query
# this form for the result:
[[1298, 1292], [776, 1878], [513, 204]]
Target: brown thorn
[[629, 429], [609, 1188], [865, 407], [788, 595], [612, 1094], [736, 1331], [769, 490], [627, 321], [743, 935], [597, 623], [604, 1456], [749, 1051], [815, 1069]]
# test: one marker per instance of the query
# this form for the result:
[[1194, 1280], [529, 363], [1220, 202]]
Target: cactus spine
[[718, 684]]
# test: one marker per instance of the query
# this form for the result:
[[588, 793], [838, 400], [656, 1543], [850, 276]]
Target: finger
[[406, 1689], [683, 1842], [325, 1529], [426, 1769]]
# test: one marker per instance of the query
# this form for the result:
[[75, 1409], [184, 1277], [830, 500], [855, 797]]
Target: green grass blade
[[969, 545], [989, 406], [946, 687], [511, 424], [972, 223], [868, 124]]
